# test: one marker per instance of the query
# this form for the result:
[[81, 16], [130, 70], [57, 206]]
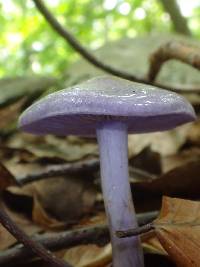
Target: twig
[[97, 235], [29, 243], [85, 166], [77, 46], [135, 231], [179, 21], [146, 217], [67, 36], [173, 50], [91, 235], [90, 165]]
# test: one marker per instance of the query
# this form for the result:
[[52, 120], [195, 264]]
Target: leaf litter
[[178, 230], [170, 164]]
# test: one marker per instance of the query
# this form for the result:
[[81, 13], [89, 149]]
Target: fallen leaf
[[183, 181], [6, 178], [171, 162], [17, 155], [178, 230], [194, 133], [59, 199], [67, 148], [89, 256], [147, 160], [151, 244], [41, 217], [165, 143], [10, 113]]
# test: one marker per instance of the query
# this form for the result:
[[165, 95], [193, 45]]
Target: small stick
[[98, 234], [135, 231], [61, 169], [35, 247], [89, 166], [173, 50]]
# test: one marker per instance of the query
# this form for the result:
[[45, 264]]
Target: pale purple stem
[[112, 138]]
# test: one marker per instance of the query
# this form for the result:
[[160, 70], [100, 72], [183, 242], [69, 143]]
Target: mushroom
[[110, 108]]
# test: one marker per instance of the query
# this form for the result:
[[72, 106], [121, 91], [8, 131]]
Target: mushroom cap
[[79, 109]]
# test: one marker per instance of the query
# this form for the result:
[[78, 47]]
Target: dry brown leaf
[[194, 133], [166, 143], [173, 161], [183, 181], [67, 199], [40, 216], [66, 148], [10, 113], [151, 244], [20, 170], [6, 178], [16, 155], [178, 230], [89, 256], [99, 218], [147, 160], [58, 200]]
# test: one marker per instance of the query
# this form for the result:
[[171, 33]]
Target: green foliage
[[28, 44]]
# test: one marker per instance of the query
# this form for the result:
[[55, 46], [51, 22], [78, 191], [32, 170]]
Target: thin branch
[[98, 234], [77, 46], [56, 241], [173, 50], [51, 171], [179, 22], [85, 166], [135, 231], [69, 38], [29, 243]]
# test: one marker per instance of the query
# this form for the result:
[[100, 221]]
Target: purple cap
[[79, 109]]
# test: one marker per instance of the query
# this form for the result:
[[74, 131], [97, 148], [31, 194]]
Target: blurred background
[[28, 45]]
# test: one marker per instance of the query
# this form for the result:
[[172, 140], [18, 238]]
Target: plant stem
[[112, 138]]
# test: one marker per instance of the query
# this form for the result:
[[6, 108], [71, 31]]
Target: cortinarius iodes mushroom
[[110, 108]]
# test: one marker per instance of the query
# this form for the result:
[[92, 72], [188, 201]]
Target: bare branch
[[29, 243], [69, 38], [56, 241], [98, 234], [51, 171], [173, 50], [77, 46], [135, 231], [84, 166], [179, 22]]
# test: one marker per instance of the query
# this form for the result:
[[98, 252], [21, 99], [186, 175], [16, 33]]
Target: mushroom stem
[[113, 138]]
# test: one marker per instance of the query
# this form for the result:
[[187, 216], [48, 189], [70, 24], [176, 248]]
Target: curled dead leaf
[[178, 230], [58, 201]]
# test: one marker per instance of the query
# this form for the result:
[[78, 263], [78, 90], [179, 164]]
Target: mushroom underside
[[86, 124]]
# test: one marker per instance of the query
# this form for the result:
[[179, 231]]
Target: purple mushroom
[[110, 108]]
